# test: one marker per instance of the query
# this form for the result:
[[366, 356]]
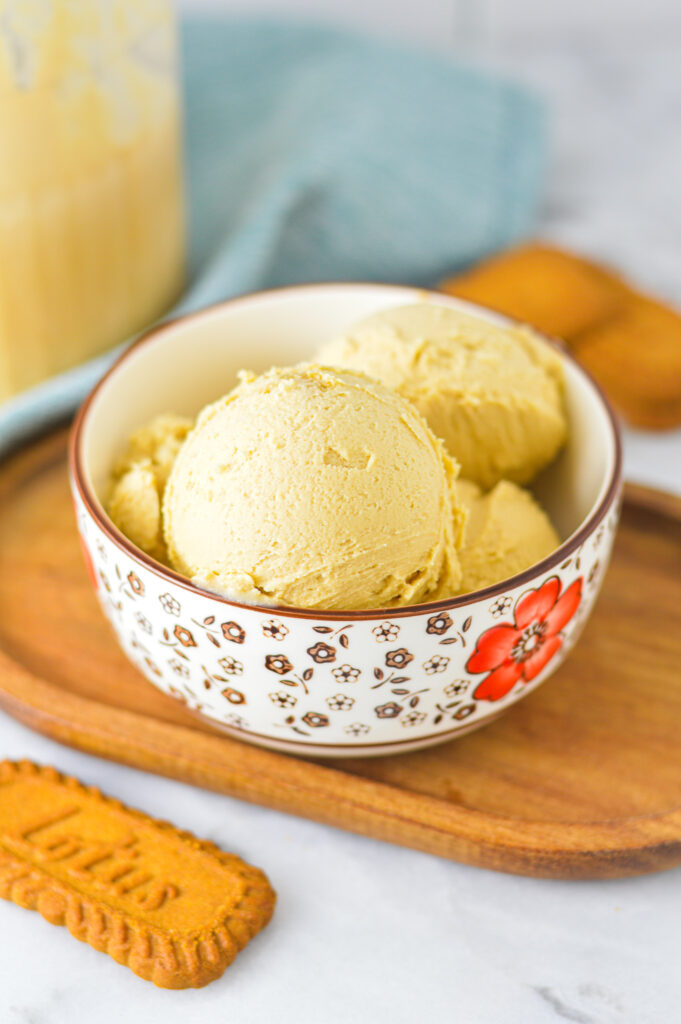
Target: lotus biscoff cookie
[[630, 342], [174, 909], [636, 357], [558, 293]]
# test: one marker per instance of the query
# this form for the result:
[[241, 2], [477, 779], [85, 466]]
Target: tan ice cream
[[139, 479], [493, 394], [315, 488], [506, 532]]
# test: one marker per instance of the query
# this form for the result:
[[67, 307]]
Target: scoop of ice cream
[[493, 394], [135, 508], [158, 441], [315, 488], [506, 532], [139, 478]]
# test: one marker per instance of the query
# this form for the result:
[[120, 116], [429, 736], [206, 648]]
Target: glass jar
[[91, 217]]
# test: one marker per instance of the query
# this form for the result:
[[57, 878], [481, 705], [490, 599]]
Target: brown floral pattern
[[233, 696], [274, 630], [184, 636], [169, 604], [357, 729], [236, 721], [437, 663], [500, 606], [456, 688], [340, 702], [439, 624], [231, 666], [143, 623], [136, 584], [321, 653], [386, 632], [315, 720], [413, 718], [346, 674], [390, 710], [283, 700], [278, 663], [399, 658], [453, 711], [234, 632], [152, 666]]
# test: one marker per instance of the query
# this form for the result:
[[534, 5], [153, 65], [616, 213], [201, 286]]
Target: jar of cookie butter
[[91, 207]]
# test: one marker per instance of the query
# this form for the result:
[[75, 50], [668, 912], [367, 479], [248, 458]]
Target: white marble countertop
[[365, 931]]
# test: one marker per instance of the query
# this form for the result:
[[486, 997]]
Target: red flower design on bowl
[[518, 651]]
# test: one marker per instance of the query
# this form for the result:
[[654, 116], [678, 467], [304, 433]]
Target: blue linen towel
[[314, 153]]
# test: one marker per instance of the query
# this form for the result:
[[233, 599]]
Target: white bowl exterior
[[379, 684], [356, 685]]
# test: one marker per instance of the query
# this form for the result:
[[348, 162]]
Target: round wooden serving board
[[580, 780]]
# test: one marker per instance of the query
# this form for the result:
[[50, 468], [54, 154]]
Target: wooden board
[[580, 780]]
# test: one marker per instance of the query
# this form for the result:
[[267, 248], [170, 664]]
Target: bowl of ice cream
[[379, 545]]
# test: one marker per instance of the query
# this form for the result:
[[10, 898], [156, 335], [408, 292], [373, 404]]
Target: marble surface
[[368, 932]]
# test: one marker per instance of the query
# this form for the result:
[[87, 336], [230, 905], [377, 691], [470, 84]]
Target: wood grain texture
[[580, 780]]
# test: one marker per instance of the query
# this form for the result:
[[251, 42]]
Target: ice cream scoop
[[507, 531], [315, 488], [158, 441], [492, 393], [139, 478]]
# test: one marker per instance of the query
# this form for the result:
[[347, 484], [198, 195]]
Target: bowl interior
[[185, 365]]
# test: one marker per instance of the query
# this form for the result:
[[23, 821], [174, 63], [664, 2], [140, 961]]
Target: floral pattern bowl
[[334, 684]]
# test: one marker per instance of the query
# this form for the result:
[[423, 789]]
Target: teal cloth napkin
[[314, 153]]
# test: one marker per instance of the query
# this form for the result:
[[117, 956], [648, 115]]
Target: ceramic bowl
[[327, 683]]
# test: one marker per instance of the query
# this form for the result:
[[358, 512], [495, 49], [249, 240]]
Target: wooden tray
[[580, 780]]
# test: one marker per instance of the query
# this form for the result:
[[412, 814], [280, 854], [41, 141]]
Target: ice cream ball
[[506, 532], [316, 488], [494, 394]]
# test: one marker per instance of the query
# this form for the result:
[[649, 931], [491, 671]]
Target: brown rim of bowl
[[552, 561]]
